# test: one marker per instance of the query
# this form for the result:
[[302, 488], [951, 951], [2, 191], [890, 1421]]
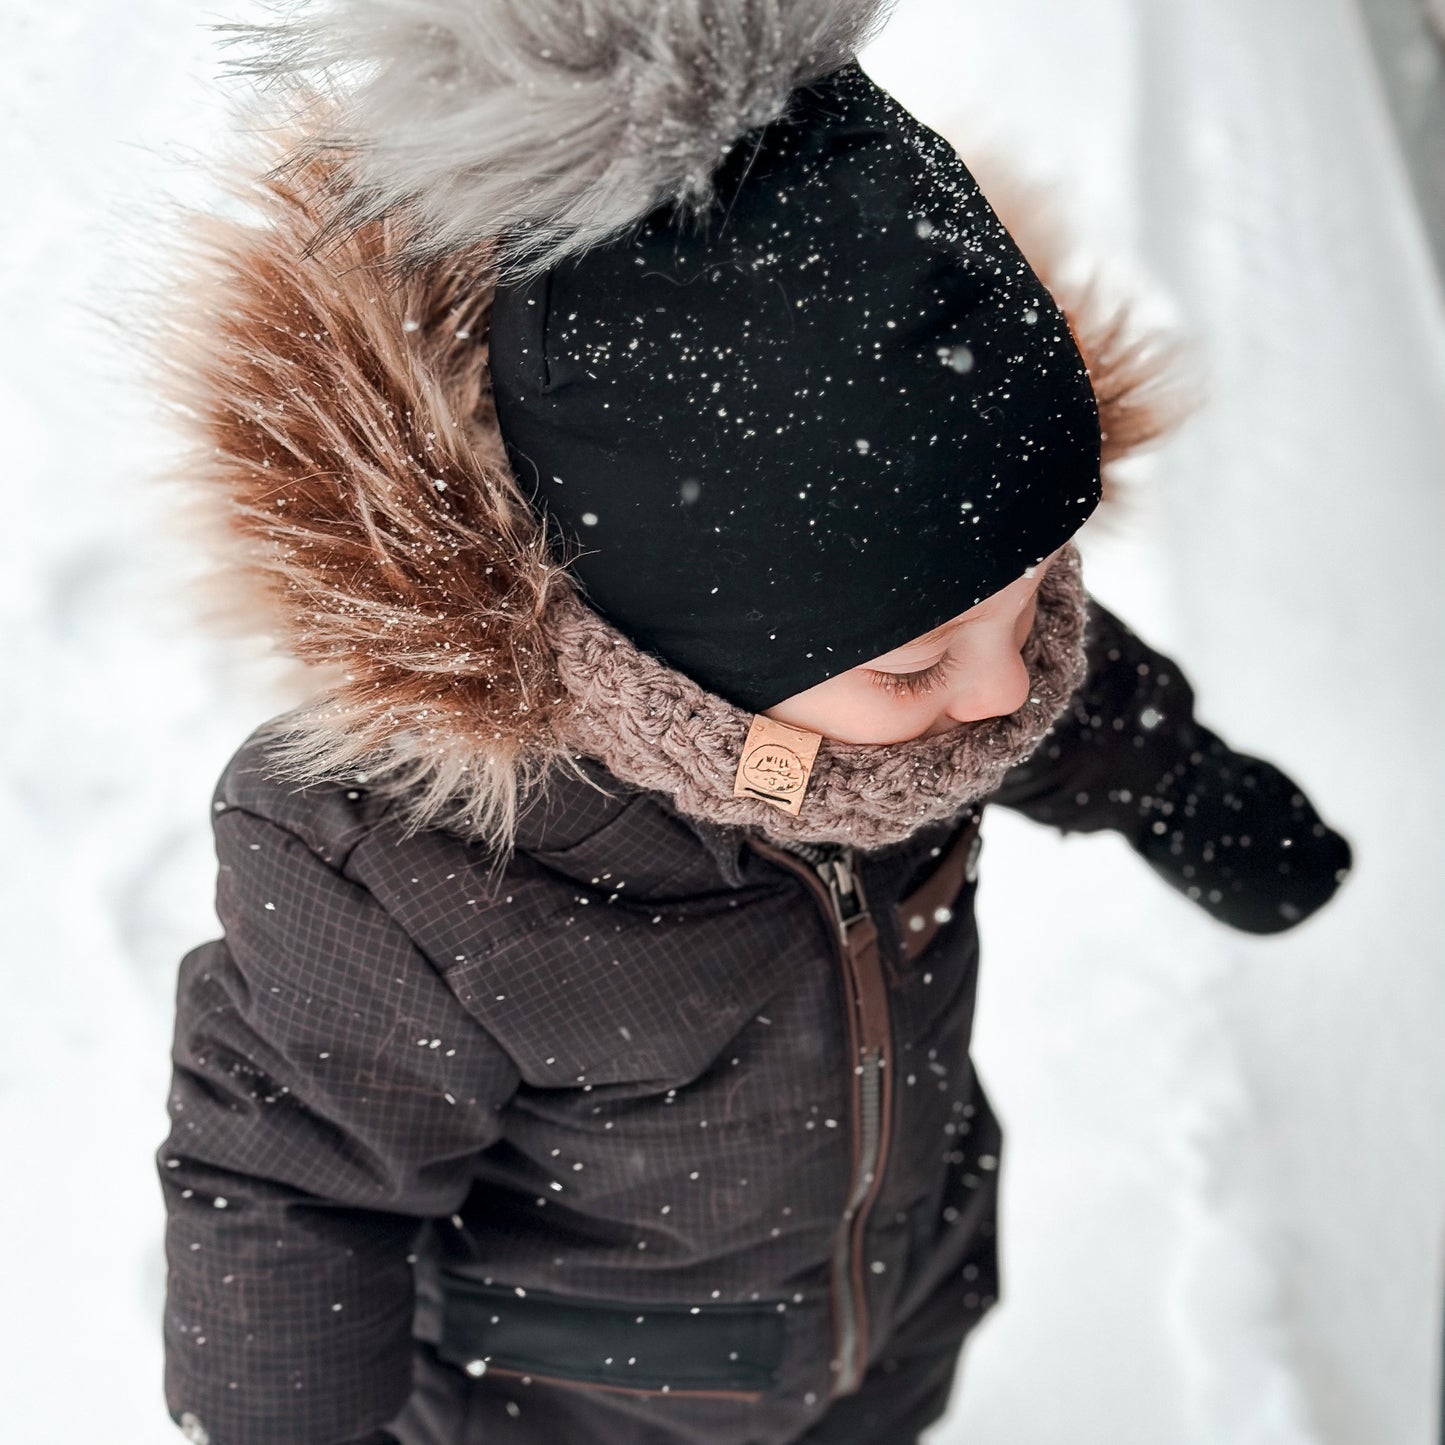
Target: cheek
[[1025, 623], [854, 710]]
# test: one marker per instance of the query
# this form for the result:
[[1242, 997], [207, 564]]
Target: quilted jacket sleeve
[[1231, 832], [328, 1093]]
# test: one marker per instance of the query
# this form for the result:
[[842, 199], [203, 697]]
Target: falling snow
[[1126, 1075]]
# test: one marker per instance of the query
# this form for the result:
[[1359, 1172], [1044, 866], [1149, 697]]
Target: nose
[[1000, 689]]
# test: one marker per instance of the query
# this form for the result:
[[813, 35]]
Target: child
[[586, 1057]]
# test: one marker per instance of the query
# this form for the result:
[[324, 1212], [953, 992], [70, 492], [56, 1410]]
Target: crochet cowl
[[654, 728]]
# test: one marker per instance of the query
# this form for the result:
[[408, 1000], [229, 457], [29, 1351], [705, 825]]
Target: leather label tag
[[776, 764]]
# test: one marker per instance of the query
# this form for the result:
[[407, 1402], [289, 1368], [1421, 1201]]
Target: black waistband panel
[[645, 1347]]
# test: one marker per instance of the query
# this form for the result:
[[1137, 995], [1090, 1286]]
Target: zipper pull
[[844, 889]]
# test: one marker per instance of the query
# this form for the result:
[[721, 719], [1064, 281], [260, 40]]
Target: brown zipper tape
[[930, 906]]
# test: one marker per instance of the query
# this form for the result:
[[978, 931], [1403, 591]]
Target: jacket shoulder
[[331, 818]]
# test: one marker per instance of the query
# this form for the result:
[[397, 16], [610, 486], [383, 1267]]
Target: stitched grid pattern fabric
[[580, 1083], [615, 1069]]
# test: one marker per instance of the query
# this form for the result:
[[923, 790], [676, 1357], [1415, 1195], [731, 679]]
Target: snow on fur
[[553, 124], [344, 436]]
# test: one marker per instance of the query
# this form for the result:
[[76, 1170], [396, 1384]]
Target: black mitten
[[1236, 836], [1232, 833]]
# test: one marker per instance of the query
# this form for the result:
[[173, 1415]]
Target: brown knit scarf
[[656, 729]]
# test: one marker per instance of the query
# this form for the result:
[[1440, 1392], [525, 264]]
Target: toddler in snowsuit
[[673, 463]]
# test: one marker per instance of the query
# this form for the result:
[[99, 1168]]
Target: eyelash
[[909, 684]]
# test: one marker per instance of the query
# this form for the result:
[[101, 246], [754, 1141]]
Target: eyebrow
[[942, 633], [930, 640], [939, 634]]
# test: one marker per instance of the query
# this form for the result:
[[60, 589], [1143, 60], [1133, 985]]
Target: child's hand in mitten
[[1232, 833], [1236, 836]]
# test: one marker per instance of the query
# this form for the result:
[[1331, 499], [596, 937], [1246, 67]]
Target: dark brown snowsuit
[[651, 1132], [686, 1122]]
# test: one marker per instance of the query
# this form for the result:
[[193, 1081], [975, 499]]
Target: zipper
[[834, 882]]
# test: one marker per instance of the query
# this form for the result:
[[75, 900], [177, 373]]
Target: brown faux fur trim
[[343, 429]]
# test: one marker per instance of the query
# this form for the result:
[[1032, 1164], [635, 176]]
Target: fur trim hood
[[345, 444]]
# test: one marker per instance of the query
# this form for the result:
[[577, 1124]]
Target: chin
[[852, 740], [953, 724], [894, 740], [887, 740]]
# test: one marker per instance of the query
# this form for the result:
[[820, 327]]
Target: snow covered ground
[[1225, 1169]]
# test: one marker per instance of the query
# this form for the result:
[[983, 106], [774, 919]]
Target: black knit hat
[[789, 435]]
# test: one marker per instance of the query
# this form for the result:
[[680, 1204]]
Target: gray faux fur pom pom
[[544, 125]]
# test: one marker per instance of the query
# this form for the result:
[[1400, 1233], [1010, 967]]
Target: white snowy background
[[1224, 1177]]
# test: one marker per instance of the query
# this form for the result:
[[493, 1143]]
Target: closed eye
[[909, 684]]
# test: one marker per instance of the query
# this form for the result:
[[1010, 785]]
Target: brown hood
[[345, 442]]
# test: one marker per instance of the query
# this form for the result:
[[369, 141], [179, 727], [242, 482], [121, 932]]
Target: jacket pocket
[[727, 1350]]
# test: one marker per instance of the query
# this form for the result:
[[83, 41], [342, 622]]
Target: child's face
[[968, 669]]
